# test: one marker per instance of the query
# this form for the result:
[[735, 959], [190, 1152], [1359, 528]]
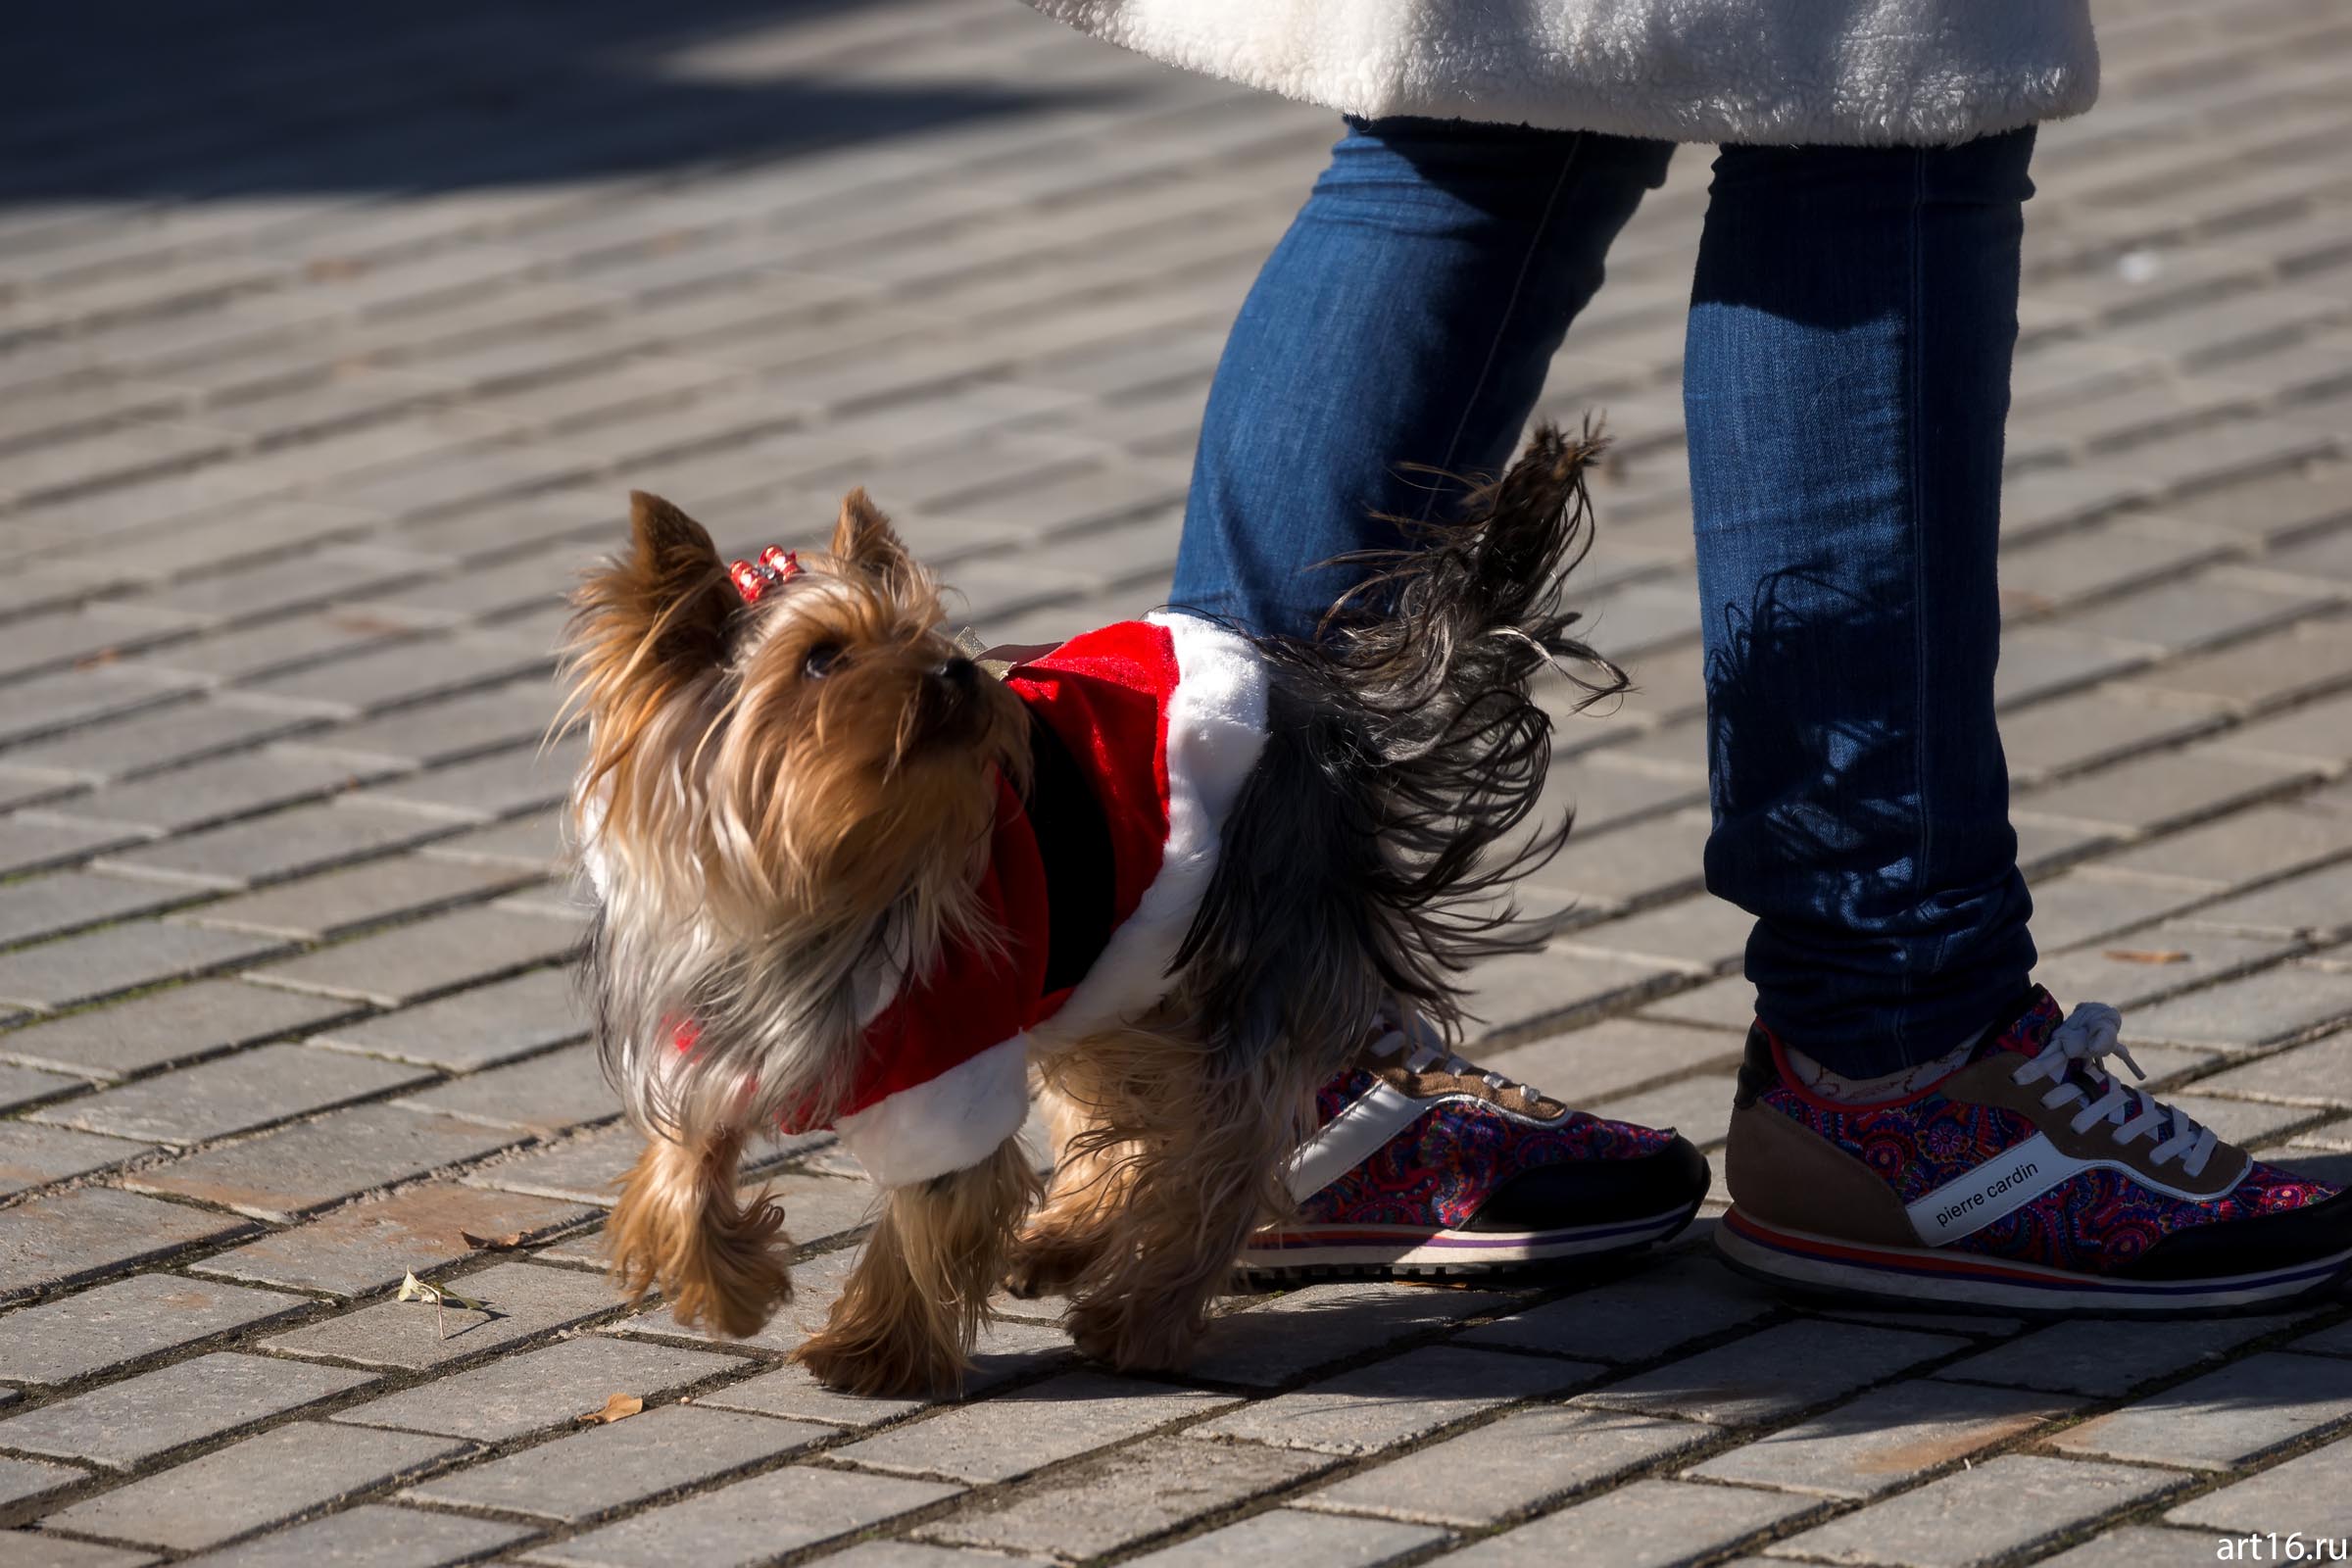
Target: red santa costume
[[1143, 734]]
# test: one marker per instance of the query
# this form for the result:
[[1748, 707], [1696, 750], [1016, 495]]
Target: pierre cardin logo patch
[[1969, 1202]]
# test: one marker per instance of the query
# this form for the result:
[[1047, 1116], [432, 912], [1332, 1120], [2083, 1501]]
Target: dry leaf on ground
[[491, 1243], [619, 1408]]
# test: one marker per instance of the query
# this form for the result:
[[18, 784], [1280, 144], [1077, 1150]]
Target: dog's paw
[[1134, 1336], [896, 1369], [1046, 1263]]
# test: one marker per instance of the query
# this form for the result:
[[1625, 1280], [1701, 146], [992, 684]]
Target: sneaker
[[2027, 1179], [1423, 1164]]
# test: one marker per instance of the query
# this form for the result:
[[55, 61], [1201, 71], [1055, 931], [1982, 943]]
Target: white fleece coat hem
[[1856, 72]]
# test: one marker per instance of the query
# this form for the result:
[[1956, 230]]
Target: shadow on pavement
[[142, 99]]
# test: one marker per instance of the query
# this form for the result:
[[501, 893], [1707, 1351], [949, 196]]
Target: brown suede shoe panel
[[1782, 1174], [1429, 1085], [1989, 1082]]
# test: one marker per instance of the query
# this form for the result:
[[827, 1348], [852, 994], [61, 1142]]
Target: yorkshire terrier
[[848, 877]]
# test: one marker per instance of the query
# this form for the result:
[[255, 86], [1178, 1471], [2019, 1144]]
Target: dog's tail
[[1410, 775]]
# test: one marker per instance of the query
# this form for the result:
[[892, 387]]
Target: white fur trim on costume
[[1216, 728], [951, 1122], [1869, 72]]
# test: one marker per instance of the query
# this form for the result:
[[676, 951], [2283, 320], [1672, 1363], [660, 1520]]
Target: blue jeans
[[1845, 379]]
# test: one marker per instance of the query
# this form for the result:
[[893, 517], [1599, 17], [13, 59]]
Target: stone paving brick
[[477, 1027], [535, 1389], [28, 1480], [283, 1175], [2317, 1074], [1603, 1059], [168, 1026], [200, 794], [1529, 993], [2096, 1357], [2041, 662], [748, 1522], [1885, 1439], [187, 730], [2226, 1417], [372, 1537], [2319, 902], [2087, 729], [1699, 1107], [123, 1423], [1705, 935], [113, 1325], [1303, 1329], [67, 900], [50, 704], [1396, 1400], [29, 1086], [2261, 843], [584, 1169], [122, 958], [2129, 982], [2150, 794], [368, 1246], [2311, 1493], [1652, 860], [508, 783], [2300, 662], [563, 1089], [523, 1300], [448, 729], [1728, 1004], [232, 1093], [283, 844], [531, 840], [284, 643], [370, 682], [1129, 1495], [2316, 733], [1649, 1524], [43, 1550], [1634, 1319], [2261, 1010], [609, 1467], [1007, 1348], [2141, 1547], [1772, 1373], [260, 1481], [1522, 1461], [1010, 1436], [1300, 1539], [84, 1232], [410, 962], [2008, 1504], [330, 904]]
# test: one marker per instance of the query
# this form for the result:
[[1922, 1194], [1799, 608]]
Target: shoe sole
[[1408, 1251], [1923, 1277]]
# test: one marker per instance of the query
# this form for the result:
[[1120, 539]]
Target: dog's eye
[[820, 660]]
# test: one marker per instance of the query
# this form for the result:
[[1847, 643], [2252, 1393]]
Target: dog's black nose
[[959, 673]]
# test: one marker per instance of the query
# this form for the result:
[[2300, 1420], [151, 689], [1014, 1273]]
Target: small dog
[[846, 877]]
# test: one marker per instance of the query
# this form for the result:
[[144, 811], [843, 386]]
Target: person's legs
[[1407, 317], [1847, 379]]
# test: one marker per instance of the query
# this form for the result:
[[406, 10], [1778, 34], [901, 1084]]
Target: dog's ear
[[668, 601], [863, 538]]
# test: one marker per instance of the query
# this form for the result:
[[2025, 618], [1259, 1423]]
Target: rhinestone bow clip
[[776, 567]]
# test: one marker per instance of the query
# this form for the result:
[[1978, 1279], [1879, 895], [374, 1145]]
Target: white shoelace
[[2090, 1034], [1423, 1049]]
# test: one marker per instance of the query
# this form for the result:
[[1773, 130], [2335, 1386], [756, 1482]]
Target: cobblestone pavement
[[328, 339]]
